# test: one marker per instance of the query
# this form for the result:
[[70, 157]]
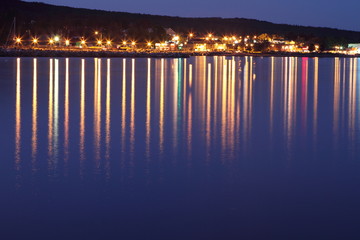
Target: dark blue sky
[[326, 13]]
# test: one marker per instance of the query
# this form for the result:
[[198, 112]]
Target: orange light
[[133, 43], [35, 40], [51, 41], [124, 42], [67, 42], [18, 40]]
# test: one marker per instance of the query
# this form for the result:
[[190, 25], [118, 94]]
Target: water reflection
[[213, 108], [316, 95], [82, 117], [108, 110], [51, 116], [66, 115], [34, 134], [18, 116], [97, 112]]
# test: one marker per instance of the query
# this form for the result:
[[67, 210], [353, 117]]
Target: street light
[[67, 42], [56, 38], [18, 40], [35, 41], [51, 41]]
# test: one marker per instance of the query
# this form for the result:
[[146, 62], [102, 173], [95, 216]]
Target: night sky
[[324, 13]]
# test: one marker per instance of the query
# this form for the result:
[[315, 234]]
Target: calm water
[[199, 148]]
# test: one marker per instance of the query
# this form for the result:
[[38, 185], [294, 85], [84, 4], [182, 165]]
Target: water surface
[[198, 148]]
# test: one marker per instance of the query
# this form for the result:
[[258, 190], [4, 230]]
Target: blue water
[[198, 148]]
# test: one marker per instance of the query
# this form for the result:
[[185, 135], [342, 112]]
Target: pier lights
[[191, 35], [56, 38], [51, 41], [124, 43], [99, 42], [96, 32], [108, 42], [83, 42], [133, 43], [67, 42], [176, 38], [18, 40], [149, 44], [35, 41]]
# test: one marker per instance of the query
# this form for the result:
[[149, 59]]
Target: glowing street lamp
[[108, 42], [83, 42], [56, 38], [96, 32], [133, 43], [191, 35], [51, 41], [35, 41], [18, 40], [99, 42], [124, 42], [67, 42]]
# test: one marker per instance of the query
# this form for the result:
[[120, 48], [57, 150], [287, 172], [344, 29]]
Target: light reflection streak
[[97, 113], [216, 62], [336, 104], [66, 114], [132, 109], [56, 113], [231, 129], [272, 96], [148, 107], [208, 112], [224, 108], [161, 113], [34, 117], [82, 116], [246, 109], [175, 102], [316, 90], [304, 93], [123, 107], [18, 116], [108, 118], [50, 116], [352, 99], [189, 115]]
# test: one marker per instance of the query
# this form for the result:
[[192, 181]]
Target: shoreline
[[11, 52]]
